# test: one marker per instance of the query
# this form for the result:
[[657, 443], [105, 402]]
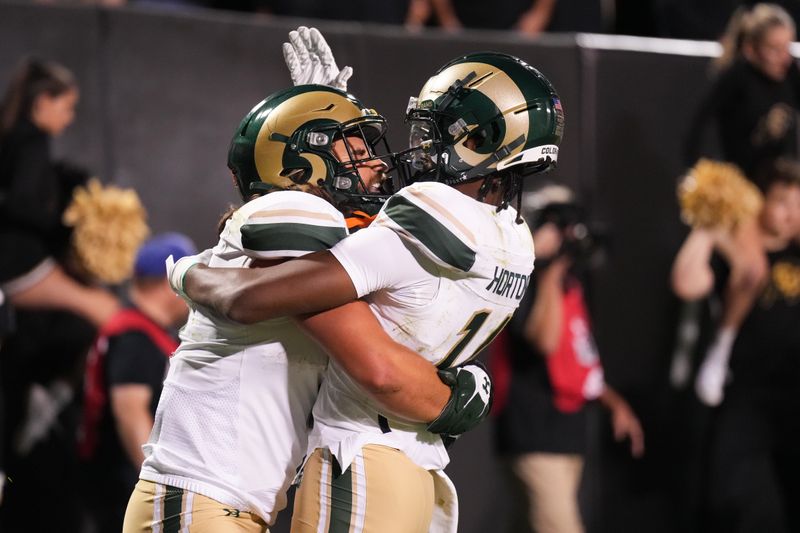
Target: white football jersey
[[443, 273], [233, 416]]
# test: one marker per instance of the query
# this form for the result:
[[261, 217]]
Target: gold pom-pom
[[109, 227], [716, 195]]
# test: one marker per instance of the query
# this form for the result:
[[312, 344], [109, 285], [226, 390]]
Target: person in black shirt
[[756, 93], [38, 105], [39, 349], [753, 459], [124, 375]]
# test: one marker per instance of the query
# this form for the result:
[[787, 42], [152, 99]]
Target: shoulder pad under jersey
[[289, 224], [431, 218]]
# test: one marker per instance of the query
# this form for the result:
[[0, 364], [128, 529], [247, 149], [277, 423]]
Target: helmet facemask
[[361, 143], [344, 148]]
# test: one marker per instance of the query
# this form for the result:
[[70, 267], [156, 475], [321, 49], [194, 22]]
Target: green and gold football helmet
[[480, 115], [286, 143]]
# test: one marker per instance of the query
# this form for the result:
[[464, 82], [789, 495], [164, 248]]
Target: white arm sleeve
[[375, 258]]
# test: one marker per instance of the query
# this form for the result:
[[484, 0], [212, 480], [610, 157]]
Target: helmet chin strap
[[519, 204], [503, 152]]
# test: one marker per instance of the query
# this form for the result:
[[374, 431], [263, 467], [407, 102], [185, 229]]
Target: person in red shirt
[[547, 369], [124, 375]]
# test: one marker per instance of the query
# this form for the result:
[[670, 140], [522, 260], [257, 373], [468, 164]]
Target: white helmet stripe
[[531, 155]]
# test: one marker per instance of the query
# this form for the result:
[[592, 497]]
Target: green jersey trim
[[443, 243], [290, 236]]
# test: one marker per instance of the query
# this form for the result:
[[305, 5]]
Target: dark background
[[163, 91]]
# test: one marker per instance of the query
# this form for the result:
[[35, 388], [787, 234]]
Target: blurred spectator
[[530, 17], [124, 375], [755, 94], [700, 19], [550, 369], [40, 366], [753, 104], [717, 198], [753, 459], [41, 350], [38, 105]]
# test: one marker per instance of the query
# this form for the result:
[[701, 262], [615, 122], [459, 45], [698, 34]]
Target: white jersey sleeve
[[281, 224], [375, 258], [430, 218]]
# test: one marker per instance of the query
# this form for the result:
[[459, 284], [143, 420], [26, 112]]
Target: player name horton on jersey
[[508, 284]]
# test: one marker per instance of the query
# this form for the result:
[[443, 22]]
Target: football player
[[231, 425], [443, 267]]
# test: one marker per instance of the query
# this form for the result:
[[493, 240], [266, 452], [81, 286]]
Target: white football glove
[[310, 60], [713, 372], [176, 270]]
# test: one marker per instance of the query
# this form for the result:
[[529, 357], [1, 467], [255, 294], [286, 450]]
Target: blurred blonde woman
[[755, 92]]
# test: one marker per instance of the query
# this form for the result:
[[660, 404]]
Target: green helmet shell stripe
[[430, 232], [240, 153], [289, 236], [544, 128], [520, 74]]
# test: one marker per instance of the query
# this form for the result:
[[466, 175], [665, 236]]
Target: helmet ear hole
[[474, 140], [478, 138], [495, 132]]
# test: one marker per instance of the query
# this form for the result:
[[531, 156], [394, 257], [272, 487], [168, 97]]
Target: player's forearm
[[399, 379], [215, 288], [309, 284], [409, 387]]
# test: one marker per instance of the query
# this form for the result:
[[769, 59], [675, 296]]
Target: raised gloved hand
[[470, 399], [176, 270], [310, 60]]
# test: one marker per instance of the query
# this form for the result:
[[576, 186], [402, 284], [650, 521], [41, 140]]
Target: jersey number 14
[[467, 333]]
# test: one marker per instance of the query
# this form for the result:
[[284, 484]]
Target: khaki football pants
[[551, 482], [381, 492], [156, 508]]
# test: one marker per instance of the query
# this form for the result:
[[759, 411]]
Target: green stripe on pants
[[341, 499], [173, 503]]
